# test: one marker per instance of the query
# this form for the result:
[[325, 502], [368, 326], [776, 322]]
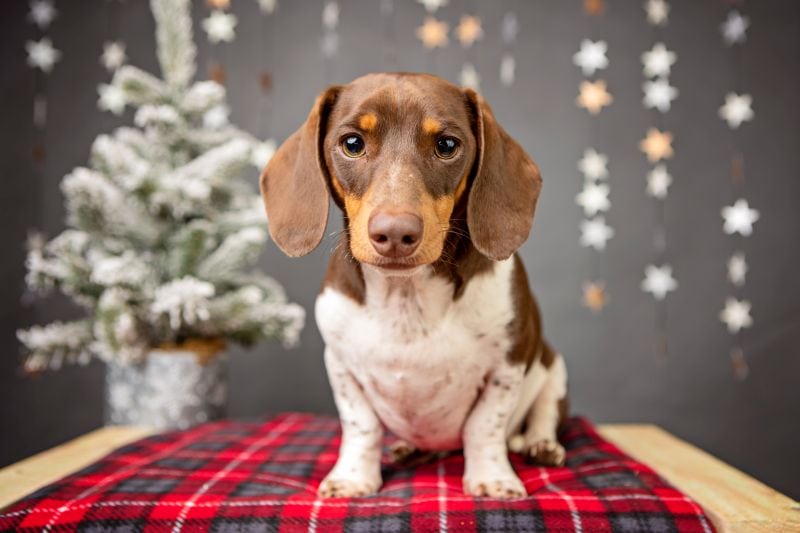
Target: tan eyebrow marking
[[431, 126], [368, 122]]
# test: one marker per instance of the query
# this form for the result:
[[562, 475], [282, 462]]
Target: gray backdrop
[[614, 373]]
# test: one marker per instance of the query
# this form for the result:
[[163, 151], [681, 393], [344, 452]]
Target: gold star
[[594, 96], [433, 33], [469, 30], [593, 7], [657, 145], [594, 296], [219, 4]]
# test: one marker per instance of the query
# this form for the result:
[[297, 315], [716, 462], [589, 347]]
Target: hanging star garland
[[593, 198], [659, 281], [593, 165], [658, 61], [220, 26], [739, 218], [433, 5], [591, 57], [659, 94], [595, 233], [113, 55], [737, 269], [594, 96], [509, 27], [658, 182], [736, 315], [433, 33], [657, 145], [112, 98], [734, 29], [42, 54], [469, 30], [469, 77], [268, 7], [42, 13], [737, 109], [594, 296], [657, 12], [594, 7]]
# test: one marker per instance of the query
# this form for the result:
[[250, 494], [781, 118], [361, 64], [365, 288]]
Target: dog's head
[[402, 155]]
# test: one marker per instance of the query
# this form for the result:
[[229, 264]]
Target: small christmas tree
[[161, 226]]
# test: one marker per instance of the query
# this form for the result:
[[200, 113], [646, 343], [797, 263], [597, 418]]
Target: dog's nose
[[395, 234]]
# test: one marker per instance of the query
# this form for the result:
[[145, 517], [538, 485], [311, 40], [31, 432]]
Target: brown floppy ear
[[505, 187], [294, 184]]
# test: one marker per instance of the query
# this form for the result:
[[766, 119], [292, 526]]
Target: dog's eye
[[353, 146], [446, 147]]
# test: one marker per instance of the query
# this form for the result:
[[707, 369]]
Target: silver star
[[659, 94], [268, 7], [739, 218], [658, 181], [595, 233], [262, 153], [593, 198], [329, 44], [330, 15], [658, 281], [657, 12], [508, 66], [734, 28], [593, 165], [737, 269], [42, 13], [469, 77], [433, 5], [113, 55], [112, 98], [41, 54], [736, 315], [658, 61], [220, 26], [591, 57], [509, 27], [737, 109]]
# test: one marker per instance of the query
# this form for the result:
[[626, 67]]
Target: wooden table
[[733, 500]]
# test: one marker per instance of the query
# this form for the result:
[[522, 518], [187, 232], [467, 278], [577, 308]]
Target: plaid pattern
[[248, 477]]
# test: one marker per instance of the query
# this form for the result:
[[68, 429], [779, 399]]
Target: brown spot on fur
[[431, 126], [525, 329], [368, 122]]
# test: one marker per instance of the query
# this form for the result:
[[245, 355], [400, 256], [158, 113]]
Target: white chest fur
[[421, 357]]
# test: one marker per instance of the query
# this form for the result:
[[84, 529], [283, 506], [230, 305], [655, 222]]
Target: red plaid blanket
[[262, 476]]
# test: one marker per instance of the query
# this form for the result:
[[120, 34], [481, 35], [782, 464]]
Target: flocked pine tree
[[163, 231]]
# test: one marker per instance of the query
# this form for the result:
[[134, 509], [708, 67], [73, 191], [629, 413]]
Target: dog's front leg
[[487, 471], [358, 470]]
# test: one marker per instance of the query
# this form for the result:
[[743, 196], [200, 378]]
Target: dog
[[429, 324]]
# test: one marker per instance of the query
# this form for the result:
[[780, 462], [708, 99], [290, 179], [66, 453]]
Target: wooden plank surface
[[30, 474], [734, 501]]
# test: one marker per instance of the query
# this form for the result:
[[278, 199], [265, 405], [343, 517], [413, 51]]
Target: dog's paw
[[400, 451], [504, 487], [546, 452], [338, 487]]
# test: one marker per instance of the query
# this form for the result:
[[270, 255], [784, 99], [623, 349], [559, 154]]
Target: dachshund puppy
[[430, 327]]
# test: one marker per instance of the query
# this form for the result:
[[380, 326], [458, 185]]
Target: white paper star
[[657, 12], [736, 315], [508, 67], [112, 98], [593, 198], [329, 44], [737, 269], [734, 29], [659, 94], [42, 13], [658, 61], [591, 57], [593, 165], [113, 55], [658, 181], [216, 117], [41, 54], [262, 153], [220, 26], [595, 233], [509, 27], [739, 218], [433, 5], [658, 281], [330, 15], [737, 109], [469, 77], [268, 7]]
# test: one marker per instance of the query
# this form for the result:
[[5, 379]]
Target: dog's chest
[[420, 356]]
